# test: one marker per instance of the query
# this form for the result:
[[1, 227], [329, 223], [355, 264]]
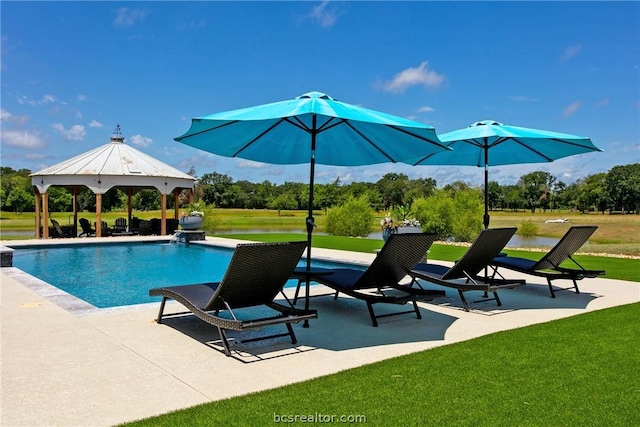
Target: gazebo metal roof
[[115, 164]]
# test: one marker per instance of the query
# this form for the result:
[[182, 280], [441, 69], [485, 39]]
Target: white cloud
[[22, 139], [426, 109], [46, 99], [6, 116], [141, 141], [522, 98], [603, 102], [95, 124], [571, 109], [250, 164], [74, 133], [325, 16], [127, 17], [570, 52], [421, 75], [81, 98]]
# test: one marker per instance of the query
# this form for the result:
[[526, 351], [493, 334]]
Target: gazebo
[[113, 165]]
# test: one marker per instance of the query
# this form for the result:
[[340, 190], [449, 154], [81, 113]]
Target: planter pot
[[386, 232], [191, 222]]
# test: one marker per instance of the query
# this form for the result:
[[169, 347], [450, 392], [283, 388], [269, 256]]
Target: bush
[[435, 213], [467, 221], [353, 218], [528, 228], [456, 216]]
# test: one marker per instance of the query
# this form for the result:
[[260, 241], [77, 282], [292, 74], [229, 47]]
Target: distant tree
[[285, 201], [393, 187], [494, 195], [19, 200], [60, 200], [213, 187], [623, 187], [592, 192], [535, 188]]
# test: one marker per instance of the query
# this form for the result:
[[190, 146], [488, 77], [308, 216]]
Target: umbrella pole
[[486, 218], [310, 220]]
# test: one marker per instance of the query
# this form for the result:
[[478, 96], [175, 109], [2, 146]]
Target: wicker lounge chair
[[464, 275], [59, 231], [86, 228], [256, 274], [549, 265], [379, 283]]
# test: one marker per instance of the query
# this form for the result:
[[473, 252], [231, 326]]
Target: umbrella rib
[[269, 129], [438, 143], [180, 138], [297, 123], [370, 142]]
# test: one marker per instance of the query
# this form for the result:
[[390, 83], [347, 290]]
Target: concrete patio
[[66, 364]]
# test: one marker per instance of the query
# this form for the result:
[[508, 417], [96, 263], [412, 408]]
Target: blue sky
[[71, 71]]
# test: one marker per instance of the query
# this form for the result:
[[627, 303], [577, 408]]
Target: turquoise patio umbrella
[[489, 142], [312, 128]]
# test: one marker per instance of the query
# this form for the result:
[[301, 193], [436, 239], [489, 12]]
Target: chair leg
[[159, 319], [294, 340], [225, 343], [464, 300], [497, 298], [553, 295], [417, 309], [575, 285], [295, 296], [373, 316]]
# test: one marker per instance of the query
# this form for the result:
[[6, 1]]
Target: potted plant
[[193, 219]]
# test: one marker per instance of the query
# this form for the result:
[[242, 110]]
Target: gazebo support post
[[75, 211], [38, 221], [163, 223], [98, 215], [176, 204], [129, 194], [45, 215]]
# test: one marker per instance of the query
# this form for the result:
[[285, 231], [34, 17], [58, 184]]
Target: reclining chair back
[[256, 273], [400, 253], [573, 240], [484, 249]]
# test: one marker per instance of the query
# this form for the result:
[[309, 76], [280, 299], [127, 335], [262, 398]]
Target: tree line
[[617, 190]]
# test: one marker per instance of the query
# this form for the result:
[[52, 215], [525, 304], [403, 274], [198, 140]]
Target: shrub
[[353, 218], [456, 216], [436, 213], [528, 228], [467, 221]]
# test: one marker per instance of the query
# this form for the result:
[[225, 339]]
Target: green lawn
[[581, 370]]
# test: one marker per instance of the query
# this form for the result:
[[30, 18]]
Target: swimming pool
[[116, 275]]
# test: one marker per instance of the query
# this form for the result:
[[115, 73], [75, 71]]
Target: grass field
[[569, 372], [616, 234]]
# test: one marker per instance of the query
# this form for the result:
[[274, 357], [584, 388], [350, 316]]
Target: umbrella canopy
[[312, 128], [489, 142]]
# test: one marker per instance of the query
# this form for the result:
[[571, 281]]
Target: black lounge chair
[[379, 283], [487, 245], [256, 274], [549, 265], [86, 228], [61, 232]]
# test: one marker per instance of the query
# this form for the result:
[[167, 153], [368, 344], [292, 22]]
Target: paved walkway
[[73, 366]]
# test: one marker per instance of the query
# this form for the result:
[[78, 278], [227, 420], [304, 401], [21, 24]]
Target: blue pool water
[[116, 275]]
